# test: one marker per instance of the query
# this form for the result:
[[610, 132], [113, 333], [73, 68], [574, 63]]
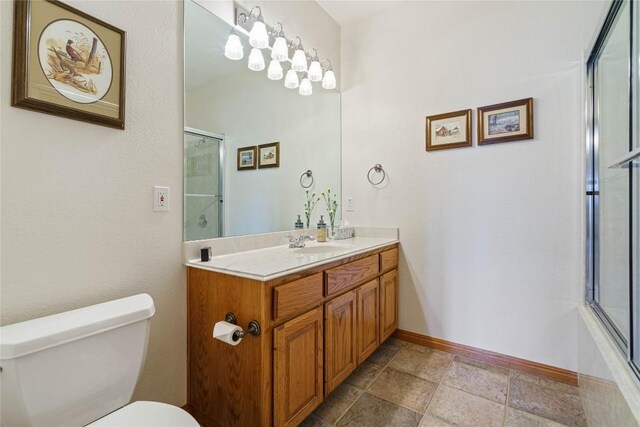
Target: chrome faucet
[[298, 241]]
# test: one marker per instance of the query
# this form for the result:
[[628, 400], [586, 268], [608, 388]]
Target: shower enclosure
[[612, 181], [203, 186]]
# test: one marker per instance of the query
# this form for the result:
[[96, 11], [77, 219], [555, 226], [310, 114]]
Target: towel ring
[[378, 169], [308, 174]]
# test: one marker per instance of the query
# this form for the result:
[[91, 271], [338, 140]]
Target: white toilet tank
[[70, 369]]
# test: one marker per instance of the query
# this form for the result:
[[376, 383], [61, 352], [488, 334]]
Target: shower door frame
[[592, 193], [221, 159]]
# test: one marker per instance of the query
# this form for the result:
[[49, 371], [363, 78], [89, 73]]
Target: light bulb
[[280, 51], [329, 80], [305, 87], [258, 36], [291, 80], [299, 61], [315, 71], [256, 60], [233, 49], [275, 70]]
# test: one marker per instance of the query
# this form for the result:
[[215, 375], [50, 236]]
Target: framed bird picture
[[67, 63]]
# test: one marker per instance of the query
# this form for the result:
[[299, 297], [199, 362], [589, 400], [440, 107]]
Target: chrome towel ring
[[308, 174], [377, 168]]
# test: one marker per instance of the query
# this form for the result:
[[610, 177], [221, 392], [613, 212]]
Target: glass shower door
[[611, 90], [203, 213]]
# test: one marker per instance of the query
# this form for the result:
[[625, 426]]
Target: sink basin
[[322, 249]]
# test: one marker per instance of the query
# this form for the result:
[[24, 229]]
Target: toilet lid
[[147, 414]]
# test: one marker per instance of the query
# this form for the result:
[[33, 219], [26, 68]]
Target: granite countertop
[[272, 262]]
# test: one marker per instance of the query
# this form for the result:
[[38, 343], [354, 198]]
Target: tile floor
[[404, 384]]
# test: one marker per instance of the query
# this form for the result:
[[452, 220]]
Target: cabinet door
[[368, 320], [388, 304], [340, 336], [297, 368]]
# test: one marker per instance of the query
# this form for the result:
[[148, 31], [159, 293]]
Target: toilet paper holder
[[253, 328]]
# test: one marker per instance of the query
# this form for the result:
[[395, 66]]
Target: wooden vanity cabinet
[[388, 304], [297, 368], [368, 320], [340, 338], [317, 326]]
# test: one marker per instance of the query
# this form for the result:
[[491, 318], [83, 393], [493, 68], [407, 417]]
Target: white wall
[[492, 252], [77, 220]]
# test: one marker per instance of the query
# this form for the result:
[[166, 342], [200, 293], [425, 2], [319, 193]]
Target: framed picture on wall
[[449, 130], [247, 158], [508, 121], [67, 63], [269, 155]]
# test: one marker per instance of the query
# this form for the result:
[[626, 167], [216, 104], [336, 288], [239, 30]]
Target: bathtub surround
[[608, 387]]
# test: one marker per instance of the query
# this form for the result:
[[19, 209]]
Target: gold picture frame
[[505, 122], [247, 158], [448, 130], [269, 155], [68, 63]]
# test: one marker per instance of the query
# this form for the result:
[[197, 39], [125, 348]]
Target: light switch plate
[[161, 199]]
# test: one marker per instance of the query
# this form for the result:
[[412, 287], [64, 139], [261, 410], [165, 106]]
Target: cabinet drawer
[[342, 278], [389, 259], [294, 297]]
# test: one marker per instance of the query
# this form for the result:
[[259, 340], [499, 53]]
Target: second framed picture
[[508, 121], [448, 130], [269, 155]]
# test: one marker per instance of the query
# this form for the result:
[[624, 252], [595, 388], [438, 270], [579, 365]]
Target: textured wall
[[77, 220], [492, 237]]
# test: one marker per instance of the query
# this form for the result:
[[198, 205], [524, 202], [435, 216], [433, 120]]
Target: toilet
[[80, 368]]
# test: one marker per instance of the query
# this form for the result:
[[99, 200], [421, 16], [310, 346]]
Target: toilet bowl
[[146, 414], [80, 368]]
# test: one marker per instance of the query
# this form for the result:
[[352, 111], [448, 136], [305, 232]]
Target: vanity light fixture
[[315, 70], [329, 79], [299, 60], [253, 23], [275, 70], [280, 49], [258, 37], [256, 60], [305, 86], [291, 80], [233, 48]]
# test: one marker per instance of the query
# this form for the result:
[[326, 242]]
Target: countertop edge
[[200, 265]]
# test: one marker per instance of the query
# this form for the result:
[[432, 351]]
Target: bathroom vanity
[[322, 310]]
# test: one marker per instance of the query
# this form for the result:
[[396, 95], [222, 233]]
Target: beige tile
[[384, 353], [478, 378], [460, 408], [428, 421], [546, 398], [417, 347], [371, 411], [403, 389], [395, 342], [427, 363], [516, 418], [544, 382], [313, 421], [364, 375], [337, 403]]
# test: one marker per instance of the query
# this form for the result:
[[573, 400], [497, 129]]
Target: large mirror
[[229, 107]]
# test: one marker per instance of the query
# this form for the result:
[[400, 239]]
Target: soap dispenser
[[322, 230], [299, 223]]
